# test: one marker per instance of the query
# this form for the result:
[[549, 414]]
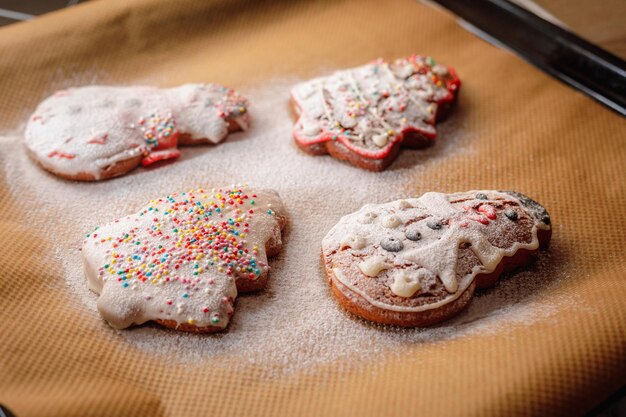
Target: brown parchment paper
[[531, 134]]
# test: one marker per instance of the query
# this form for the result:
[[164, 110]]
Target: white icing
[[437, 250], [391, 307], [405, 283], [447, 249], [122, 156], [367, 107], [391, 221], [373, 265], [86, 129], [353, 241], [201, 290], [367, 217], [437, 204], [311, 129], [380, 139]]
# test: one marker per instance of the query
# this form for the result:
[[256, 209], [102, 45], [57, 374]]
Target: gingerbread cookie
[[96, 132], [417, 262], [181, 260], [363, 115]]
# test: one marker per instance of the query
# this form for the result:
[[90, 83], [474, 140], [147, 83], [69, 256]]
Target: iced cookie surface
[[181, 260], [417, 261], [98, 132], [364, 115]]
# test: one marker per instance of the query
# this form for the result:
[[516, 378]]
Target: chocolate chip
[[511, 214], [546, 219], [481, 196], [413, 234], [434, 224], [536, 210], [392, 244]]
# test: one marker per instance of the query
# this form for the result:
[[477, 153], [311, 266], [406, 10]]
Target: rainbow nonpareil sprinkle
[[205, 230]]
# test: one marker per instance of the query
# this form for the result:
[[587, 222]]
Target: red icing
[[488, 211], [167, 142], [479, 218], [372, 154], [61, 155], [161, 136], [99, 140], [162, 155]]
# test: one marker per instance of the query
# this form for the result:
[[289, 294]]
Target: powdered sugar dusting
[[88, 129], [295, 323]]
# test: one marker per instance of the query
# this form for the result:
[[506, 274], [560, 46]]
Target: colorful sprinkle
[[204, 237], [157, 129]]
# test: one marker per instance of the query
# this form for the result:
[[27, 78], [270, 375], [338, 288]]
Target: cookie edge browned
[[425, 318]]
